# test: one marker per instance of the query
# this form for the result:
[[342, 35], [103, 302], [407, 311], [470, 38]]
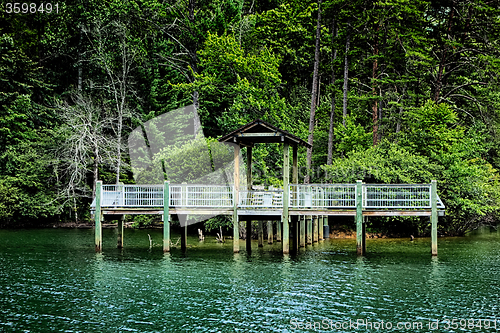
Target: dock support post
[[302, 230], [120, 232], [286, 197], [261, 233], [320, 226], [236, 190], [98, 217], [278, 231], [363, 239], [360, 237], [295, 232], [184, 236], [315, 219], [249, 236], [269, 232], [434, 218], [309, 229], [166, 216]]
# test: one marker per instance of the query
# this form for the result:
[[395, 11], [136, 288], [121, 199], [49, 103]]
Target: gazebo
[[259, 131]]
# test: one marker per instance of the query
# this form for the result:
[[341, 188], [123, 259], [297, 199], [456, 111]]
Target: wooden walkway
[[305, 211]]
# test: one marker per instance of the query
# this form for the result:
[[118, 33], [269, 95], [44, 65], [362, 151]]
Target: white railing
[[397, 196], [302, 196], [323, 195], [261, 199], [132, 196], [214, 196]]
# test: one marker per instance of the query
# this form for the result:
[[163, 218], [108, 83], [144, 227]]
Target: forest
[[386, 91]]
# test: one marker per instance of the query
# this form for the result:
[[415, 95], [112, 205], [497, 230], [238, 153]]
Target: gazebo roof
[[259, 131]]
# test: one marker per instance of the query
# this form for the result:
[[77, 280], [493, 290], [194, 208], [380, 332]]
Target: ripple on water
[[51, 279]]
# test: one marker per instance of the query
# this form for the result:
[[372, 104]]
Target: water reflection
[[48, 284]]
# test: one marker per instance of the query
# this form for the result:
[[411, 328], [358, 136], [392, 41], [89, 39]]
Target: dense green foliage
[[410, 90]]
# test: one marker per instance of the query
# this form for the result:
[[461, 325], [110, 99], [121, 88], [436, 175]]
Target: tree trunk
[[95, 169], [398, 125], [194, 49], [346, 73], [374, 88], [332, 110], [313, 95], [439, 79], [196, 104], [119, 147], [80, 70], [380, 117]]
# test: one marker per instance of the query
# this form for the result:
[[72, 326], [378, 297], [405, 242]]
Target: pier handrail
[[302, 196], [323, 195], [261, 199]]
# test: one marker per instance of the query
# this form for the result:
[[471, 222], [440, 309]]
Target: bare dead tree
[[118, 67], [86, 147]]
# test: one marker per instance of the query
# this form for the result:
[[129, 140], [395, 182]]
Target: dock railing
[[323, 195], [132, 196], [261, 199], [302, 196], [216, 196], [397, 196]]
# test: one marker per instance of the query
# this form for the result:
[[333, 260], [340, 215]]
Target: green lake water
[[51, 280]]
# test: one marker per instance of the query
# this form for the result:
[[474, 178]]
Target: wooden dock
[[299, 209], [301, 219]]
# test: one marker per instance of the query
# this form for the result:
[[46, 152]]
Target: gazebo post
[[259, 131], [236, 229], [286, 196], [295, 181], [249, 169]]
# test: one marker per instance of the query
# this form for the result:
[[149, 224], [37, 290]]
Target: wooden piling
[[184, 237], [249, 236], [269, 232], [98, 216], [321, 220], [359, 218], [434, 218], [261, 233], [302, 227], [295, 232], [363, 238], [315, 228], [278, 231], [286, 197], [120, 232], [166, 216], [309, 229]]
